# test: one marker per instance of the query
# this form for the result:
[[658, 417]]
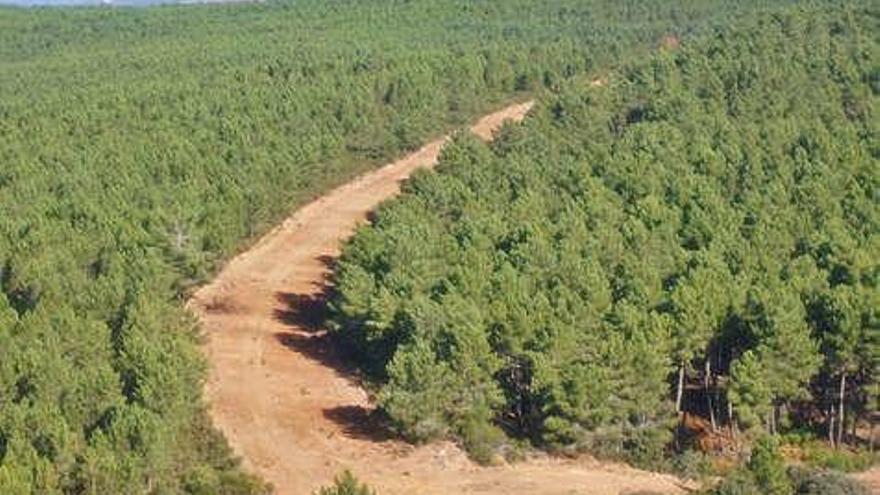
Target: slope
[[286, 399]]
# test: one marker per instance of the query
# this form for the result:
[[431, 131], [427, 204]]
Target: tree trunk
[[841, 424], [706, 383], [680, 389], [853, 431], [773, 413], [871, 441], [831, 425], [731, 420]]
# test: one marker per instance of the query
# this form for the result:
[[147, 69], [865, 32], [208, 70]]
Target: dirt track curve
[[287, 402]]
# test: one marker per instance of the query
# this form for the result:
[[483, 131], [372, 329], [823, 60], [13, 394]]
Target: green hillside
[[700, 234], [139, 148]]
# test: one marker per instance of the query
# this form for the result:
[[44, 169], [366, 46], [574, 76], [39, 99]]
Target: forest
[[699, 234], [562, 271]]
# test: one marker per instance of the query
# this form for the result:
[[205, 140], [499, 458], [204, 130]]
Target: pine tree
[[787, 354], [749, 392], [700, 302], [768, 467]]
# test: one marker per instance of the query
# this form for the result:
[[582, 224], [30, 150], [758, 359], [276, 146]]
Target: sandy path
[[283, 397]]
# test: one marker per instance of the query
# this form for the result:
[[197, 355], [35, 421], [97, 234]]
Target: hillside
[[697, 236], [141, 149], [278, 385]]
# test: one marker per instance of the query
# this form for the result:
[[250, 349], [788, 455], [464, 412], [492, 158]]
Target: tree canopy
[[141, 147], [705, 222]]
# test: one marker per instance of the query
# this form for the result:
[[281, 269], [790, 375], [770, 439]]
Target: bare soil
[[289, 403], [870, 478]]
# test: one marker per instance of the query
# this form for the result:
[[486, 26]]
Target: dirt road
[[287, 402]]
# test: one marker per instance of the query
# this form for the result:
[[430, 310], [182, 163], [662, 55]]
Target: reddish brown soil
[[288, 402], [871, 479]]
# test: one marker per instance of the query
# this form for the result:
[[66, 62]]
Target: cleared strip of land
[[288, 402]]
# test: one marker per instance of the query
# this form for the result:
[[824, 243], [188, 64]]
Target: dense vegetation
[[700, 234], [138, 148], [765, 473]]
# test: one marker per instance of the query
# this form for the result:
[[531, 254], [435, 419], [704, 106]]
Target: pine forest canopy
[[141, 147], [709, 217]]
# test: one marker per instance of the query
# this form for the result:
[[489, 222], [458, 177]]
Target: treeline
[[700, 234], [139, 147]]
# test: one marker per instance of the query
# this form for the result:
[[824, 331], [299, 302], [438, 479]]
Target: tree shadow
[[319, 347], [356, 422], [328, 261], [308, 311], [305, 311], [360, 423], [306, 315]]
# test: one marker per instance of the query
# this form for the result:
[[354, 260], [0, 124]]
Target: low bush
[[820, 455], [693, 465], [739, 482], [813, 482], [768, 467], [483, 441], [765, 474], [346, 484]]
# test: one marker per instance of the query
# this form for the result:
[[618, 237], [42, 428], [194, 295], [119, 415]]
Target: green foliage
[[482, 439], [739, 482], [749, 392], [797, 480], [346, 484], [547, 284], [417, 401], [141, 147], [693, 465], [765, 473], [768, 467], [820, 455], [812, 482], [708, 210]]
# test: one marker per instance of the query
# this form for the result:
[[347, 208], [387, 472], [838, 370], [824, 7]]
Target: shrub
[[739, 482], [821, 455], [646, 448], [346, 484], [812, 482], [692, 465], [482, 440], [768, 467], [797, 481]]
